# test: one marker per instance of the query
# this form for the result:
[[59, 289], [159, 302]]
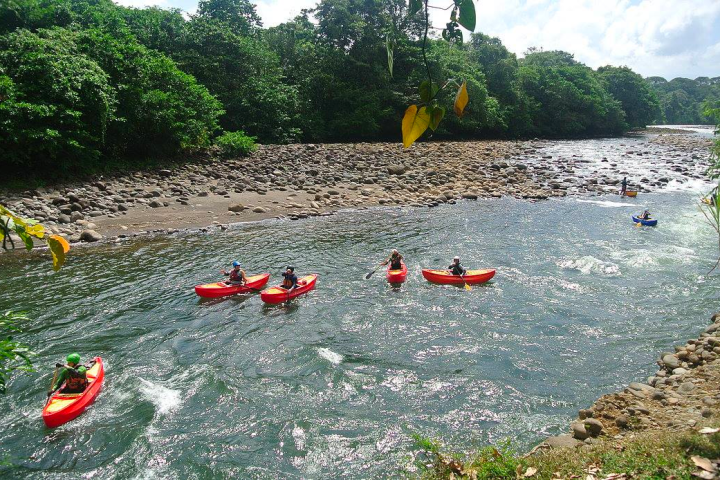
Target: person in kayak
[[290, 279], [395, 260], [73, 376], [456, 268], [237, 275], [645, 215], [623, 187]]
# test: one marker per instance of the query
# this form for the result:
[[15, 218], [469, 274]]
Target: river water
[[335, 383]]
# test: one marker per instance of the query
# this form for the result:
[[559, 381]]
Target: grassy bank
[[657, 454]]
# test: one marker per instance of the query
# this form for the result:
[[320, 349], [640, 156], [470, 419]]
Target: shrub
[[235, 144]]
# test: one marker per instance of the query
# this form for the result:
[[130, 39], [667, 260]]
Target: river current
[[335, 383]]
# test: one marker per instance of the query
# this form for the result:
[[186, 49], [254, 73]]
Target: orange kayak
[[397, 276], [631, 193], [223, 289], [471, 277], [278, 294], [63, 407]]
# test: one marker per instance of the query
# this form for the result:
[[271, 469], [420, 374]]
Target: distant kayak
[[278, 294], [223, 289], [63, 407], [397, 276], [471, 277], [630, 193], [647, 223]]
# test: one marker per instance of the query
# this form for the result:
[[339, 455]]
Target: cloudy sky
[[668, 38]]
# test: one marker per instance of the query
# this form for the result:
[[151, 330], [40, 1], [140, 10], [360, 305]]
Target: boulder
[[579, 431], [671, 362], [593, 426], [562, 441], [396, 169], [622, 421], [90, 236], [236, 207]]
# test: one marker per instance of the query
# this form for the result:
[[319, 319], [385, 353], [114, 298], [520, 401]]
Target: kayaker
[[237, 275], [645, 215], [290, 281], [395, 260], [73, 375], [623, 187], [455, 268]]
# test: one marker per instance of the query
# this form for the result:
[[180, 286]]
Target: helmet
[[73, 358], [456, 258], [290, 267], [236, 263], [394, 250]]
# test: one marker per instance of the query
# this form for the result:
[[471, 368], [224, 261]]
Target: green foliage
[[683, 100], [235, 144], [639, 101], [14, 356]]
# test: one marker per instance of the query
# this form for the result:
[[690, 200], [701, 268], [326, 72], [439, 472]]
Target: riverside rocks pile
[[683, 393], [309, 180]]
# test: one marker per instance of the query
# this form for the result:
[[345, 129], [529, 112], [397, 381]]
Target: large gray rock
[[562, 441], [579, 431], [90, 236], [686, 387], [396, 169], [593, 426], [236, 207], [671, 362]]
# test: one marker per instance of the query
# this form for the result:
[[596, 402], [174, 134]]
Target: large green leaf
[[467, 15], [428, 91], [436, 116], [415, 6]]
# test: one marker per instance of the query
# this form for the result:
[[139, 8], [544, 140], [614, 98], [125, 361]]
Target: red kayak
[[278, 294], [397, 276], [223, 289], [471, 277], [63, 407]]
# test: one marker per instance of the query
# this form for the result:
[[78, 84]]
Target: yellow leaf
[[414, 124], [58, 247], [461, 100], [35, 230], [530, 472]]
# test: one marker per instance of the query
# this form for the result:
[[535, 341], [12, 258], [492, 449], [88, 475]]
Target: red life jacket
[[76, 382]]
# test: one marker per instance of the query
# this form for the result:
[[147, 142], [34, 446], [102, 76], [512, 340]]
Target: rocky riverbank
[[300, 181], [683, 394]]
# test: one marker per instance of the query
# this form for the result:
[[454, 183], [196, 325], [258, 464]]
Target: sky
[[666, 38]]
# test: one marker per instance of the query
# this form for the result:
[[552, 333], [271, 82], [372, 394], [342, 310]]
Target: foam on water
[[589, 264], [607, 203], [165, 399], [330, 356]]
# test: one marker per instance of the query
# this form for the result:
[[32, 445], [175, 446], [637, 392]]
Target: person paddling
[[73, 376], [290, 279], [623, 188], [645, 215], [455, 268], [237, 275], [395, 260]]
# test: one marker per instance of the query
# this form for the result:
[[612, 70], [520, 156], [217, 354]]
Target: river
[[335, 383]]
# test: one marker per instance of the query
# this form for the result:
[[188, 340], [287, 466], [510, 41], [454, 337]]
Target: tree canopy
[[87, 82]]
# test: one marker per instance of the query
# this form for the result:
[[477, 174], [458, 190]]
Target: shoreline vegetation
[[89, 86], [667, 427]]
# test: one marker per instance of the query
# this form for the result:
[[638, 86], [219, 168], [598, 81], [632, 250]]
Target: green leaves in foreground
[[27, 229], [13, 355]]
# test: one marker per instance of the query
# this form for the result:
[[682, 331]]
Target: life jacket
[[235, 276], [396, 262], [289, 281], [76, 382]]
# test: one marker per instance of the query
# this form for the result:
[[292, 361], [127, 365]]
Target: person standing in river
[[623, 187]]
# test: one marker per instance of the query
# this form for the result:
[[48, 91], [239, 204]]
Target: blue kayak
[[647, 223]]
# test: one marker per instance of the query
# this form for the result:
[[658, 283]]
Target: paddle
[[467, 285], [373, 272], [57, 366]]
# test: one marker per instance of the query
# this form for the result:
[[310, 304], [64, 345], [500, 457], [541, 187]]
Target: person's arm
[[60, 380], [225, 272], [244, 277], [294, 280]]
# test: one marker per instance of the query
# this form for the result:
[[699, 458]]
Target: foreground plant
[[710, 208], [28, 230], [429, 113], [14, 356]]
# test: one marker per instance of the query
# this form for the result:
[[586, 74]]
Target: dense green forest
[[684, 101], [87, 84]]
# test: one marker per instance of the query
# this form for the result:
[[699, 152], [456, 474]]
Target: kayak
[[63, 407], [223, 289], [647, 223], [279, 295], [472, 277], [630, 193], [397, 276]]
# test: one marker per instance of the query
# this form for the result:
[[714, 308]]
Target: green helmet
[[73, 358]]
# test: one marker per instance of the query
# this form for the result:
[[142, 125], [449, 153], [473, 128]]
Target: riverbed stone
[[578, 431], [90, 236], [593, 426], [671, 361], [562, 441]]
